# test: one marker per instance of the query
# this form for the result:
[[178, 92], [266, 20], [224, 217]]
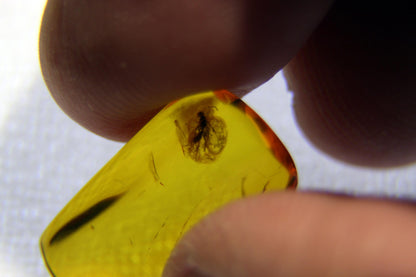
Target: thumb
[[300, 234]]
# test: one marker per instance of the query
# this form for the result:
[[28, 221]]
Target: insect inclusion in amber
[[196, 155]]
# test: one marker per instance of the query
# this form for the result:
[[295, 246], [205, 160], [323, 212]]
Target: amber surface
[[196, 155]]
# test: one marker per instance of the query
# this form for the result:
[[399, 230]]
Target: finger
[[111, 65], [299, 234], [354, 85]]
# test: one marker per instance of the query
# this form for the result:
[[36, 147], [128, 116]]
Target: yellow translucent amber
[[196, 155]]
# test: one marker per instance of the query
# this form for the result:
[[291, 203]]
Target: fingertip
[[353, 86], [111, 65], [299, 234]]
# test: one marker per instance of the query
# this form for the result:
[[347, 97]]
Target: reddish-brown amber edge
[[274, 143]]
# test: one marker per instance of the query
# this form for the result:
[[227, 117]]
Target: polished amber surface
[[196, 155]]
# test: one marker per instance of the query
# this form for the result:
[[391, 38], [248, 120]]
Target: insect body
[[204, 137], [201, 127]]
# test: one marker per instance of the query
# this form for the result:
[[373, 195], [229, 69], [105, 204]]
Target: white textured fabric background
[[45, 158]]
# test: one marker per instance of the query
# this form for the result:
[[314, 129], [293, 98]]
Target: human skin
[[111, 65]]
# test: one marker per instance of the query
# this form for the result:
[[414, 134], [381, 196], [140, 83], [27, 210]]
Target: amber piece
[[196, 155]]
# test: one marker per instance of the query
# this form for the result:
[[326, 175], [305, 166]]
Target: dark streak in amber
[[161, 227], [73, 225], [187, 221], [243, 190], [157, 234], [154, 170], [265, 187], [184, 225]]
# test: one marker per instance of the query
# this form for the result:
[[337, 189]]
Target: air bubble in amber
[[196, 155]]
